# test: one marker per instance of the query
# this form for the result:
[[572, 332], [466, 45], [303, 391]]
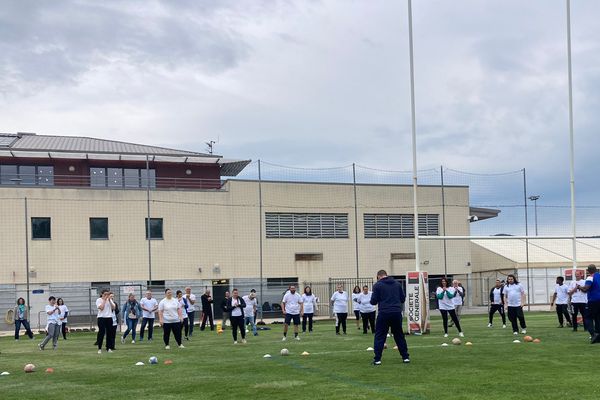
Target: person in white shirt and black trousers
[[339, 300], [497, 303], [235, 306], [561, 298], [367, 310], [170, 316], [514, 298]]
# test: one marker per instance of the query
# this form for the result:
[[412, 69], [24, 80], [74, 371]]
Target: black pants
[[104, 329], [209, 316], [111, 338], [368, 319], [190, 318], [174, 327], [150, 322], [237, 323], [384, 323], [594, 312], [63, 329], [500, 309], [25, 324], [562, 310], [185, 326], [340, 320], [515, 313], [585, 315], [307, 317], [452, 316]]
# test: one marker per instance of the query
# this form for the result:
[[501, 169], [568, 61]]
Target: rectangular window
[[148, 180], [309, 257], [40, 228], [281, 282], [306, 226], [122, 177], [98, 177], [156, 228], [45, 176], [114, 177], [27, 175], [98, 228], [9, 175], [394, 226], [131, 177]]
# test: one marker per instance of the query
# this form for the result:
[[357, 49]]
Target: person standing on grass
[[132, 311], [367, 310], [355, 306], [235, 307], [389, 296], [64, 312], [53, 314], [105, 309], [170, 317], [191, 311], [309, 302], [207, 312], [224, 309], [579, 303], [561, 298], [514, 298], [250, 311], [497, 303], [292, 308], [445, 294], [339, 300], [21, 315], [183, 303], [457, 300], [112, 337], [592, 288], [149, 307]]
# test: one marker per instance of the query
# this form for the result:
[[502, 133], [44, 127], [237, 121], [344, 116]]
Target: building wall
[[214, 234]]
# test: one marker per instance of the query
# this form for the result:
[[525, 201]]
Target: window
[[131, 177], [114, 177], [281, 282], [306, 226], [40, 228], [98, 228], [393, 226], [309, 256], [148, 180], [9, 175], [45, 176], [156, 228], [27, 175], [122, 177], [97, 177]]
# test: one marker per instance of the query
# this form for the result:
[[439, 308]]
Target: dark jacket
[[389, 295], [501, 295], [224, 305], [206, 308], [241, 305]]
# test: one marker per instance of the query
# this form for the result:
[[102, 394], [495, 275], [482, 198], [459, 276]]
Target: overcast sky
[[315, 83]]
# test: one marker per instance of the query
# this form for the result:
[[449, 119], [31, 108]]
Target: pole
[[148, 221], [355, 219], [526, 240], [444, 220], [260, 238], [414, 137], [571, 142], [535, 212], [27, 254]]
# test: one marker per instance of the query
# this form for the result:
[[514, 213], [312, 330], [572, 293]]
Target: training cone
[[468, 344], [305, 353], [50, 370], [516, 341], [139, 363], [5, 373], [168, 362], [370, 349], [536, 340], [267, 356], [444, 344]]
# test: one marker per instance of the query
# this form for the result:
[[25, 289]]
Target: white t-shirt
[[310, 302], [513, 293], [53, 317], [237, 311], [250, 303], [445, 303], [562, 294], [191, 307], [292, 303], [497, 297], [169, 309], [578, 296], [364, 301], [458, 299], [107, 312], [355, 305], [63, 311], [148, 304], [182, 306], [340, 302]]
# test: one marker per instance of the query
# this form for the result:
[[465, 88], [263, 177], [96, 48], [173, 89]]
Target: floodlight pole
[[27, 256], [260, 240], [414, 137], [571, 142], [527, 240], [148, 233]]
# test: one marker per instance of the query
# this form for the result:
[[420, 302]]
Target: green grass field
[[563, 365]]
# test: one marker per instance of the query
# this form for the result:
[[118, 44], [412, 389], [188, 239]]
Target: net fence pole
[[444, 219], [526, 240], [27, 253], [355, 219], [571, 144], [260, 239], [148, 233]]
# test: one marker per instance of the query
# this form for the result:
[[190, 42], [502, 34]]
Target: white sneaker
[[503, 326], [133, 342], [283, 339], [244, 341], [461, 334], [524, 331], [109, 351], [247, 331], [445, 335], [297, 338], [235, 342], [122, 340], [99, 351], [167, 347], [489, 325], [181, 346], [515, 333]]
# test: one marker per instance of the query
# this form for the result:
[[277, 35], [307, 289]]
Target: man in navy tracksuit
[[388, 294]]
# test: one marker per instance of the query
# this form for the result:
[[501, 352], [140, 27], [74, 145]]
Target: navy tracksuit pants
[[385, 321]]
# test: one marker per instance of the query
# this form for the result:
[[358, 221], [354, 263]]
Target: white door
[[38, 298]]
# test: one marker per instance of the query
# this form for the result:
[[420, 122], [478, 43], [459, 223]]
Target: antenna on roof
[[209, 145]]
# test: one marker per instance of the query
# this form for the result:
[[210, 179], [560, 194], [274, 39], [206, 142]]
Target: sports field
[[563, 365]]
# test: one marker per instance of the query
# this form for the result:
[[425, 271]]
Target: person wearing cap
[[592, 288], [250, 311]]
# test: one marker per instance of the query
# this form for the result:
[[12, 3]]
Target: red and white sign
[[417, 303]]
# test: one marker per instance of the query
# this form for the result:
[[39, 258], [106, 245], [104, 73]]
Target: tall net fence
[[273, 226]]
